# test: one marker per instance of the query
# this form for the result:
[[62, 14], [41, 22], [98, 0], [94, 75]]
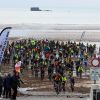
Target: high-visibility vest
[[80, 69], [64, 78], [33, 42], [72, 51], [21, 47], [16, 56], [16, 46], [37, 56]]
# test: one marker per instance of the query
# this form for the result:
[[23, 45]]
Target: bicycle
[[57, 87]]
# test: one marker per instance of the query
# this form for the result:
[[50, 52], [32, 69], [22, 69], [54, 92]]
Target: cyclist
[[64, 79], [57, 82], [80, 70], [72, 83]]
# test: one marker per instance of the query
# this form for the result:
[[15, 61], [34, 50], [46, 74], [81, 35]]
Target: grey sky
[[49, 3], [69, 11]]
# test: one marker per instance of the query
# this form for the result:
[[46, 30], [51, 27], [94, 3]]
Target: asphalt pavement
[[46, 98]]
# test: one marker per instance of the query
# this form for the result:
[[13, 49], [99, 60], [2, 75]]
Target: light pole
[[82, 35]]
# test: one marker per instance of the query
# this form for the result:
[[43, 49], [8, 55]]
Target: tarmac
[[46, 98], [46, 94]]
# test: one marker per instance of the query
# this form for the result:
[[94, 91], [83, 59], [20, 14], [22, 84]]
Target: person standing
[[15, 83], [4, 85], [8, 86], [1, 84]]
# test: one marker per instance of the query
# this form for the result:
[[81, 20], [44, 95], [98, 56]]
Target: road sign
[[95, 62]]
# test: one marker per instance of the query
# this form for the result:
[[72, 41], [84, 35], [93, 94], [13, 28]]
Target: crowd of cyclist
[[59, 58]]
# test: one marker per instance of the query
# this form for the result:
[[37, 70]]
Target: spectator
[[4, 85], [8, 86], [15, 83]]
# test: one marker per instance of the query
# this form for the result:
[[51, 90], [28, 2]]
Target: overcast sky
[[25, 4], [74, 11]]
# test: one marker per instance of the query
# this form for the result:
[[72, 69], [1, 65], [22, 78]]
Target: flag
[[3, 41]]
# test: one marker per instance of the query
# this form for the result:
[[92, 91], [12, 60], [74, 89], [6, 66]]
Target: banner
[[3, 41]]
